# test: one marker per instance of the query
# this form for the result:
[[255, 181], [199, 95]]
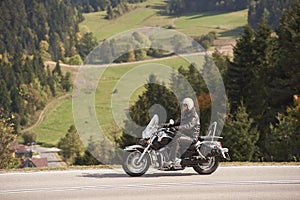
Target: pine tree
[[289, 59], [71, 145], [57, 73], [44, 48], [51, 82], [67, 82], [110, 12], [86, 44], [284, 140], [250, 77], [5, 100], [240, 135], [222, 61], [260, 100], [92, 153], [239, 72], [57, 70]]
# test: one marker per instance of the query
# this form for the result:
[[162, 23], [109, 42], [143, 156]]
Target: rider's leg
[[174, 149], [185, 142]]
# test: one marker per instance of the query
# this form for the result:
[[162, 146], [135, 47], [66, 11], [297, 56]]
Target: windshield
[[152, 127]]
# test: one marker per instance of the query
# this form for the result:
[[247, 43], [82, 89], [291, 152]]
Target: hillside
[[227, 25]]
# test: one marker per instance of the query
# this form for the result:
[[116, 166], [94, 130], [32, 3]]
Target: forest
[[261, 79], [271, 10], [31, 34]]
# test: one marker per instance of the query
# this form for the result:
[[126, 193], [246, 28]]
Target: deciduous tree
[[7, 137]]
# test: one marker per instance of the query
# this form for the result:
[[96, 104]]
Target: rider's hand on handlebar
[[165, 125], [174, 128]]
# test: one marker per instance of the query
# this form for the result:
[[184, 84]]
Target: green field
[[151, 13], [56, 123], [227, 26]]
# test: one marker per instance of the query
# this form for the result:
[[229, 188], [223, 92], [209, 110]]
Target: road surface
[[251, 182]]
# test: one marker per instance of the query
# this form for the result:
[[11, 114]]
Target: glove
[[174, 128], [164, 125]]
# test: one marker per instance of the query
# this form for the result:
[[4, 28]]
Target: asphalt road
[[263, 182]]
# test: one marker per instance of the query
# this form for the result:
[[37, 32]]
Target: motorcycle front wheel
[[207, 168], [132, 167]]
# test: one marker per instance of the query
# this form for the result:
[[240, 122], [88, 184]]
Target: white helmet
[[189, 102]]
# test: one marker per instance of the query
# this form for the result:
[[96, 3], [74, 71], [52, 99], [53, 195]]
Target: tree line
[[114, 8], [257, 9], [270, 10], [180, 6], [87, 6]]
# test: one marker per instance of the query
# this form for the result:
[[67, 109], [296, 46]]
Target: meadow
[[58, 120], [151, 13]]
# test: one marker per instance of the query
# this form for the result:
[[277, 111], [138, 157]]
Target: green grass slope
[[57, 121]]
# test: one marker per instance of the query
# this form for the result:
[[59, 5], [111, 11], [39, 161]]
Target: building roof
[[34, 162], [40, 162]]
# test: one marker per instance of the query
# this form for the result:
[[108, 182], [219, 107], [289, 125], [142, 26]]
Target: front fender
[[134, 148]]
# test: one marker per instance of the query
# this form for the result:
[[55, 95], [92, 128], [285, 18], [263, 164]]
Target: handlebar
[[210, 137]]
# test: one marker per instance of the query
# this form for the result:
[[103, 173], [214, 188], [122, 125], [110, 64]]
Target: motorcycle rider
[[188, 128]]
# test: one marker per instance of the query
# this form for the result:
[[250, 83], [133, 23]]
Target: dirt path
[[42, 115]]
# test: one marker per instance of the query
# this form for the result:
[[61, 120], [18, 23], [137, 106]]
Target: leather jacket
[[189, 124]]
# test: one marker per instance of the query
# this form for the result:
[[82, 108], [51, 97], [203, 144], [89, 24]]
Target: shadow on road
[[152, 175]]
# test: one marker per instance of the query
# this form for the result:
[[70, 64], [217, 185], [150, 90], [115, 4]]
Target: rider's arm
[[188, 126], [177, 122]]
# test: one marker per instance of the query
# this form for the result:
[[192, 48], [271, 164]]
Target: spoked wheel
[[132, 167], [207, 168]]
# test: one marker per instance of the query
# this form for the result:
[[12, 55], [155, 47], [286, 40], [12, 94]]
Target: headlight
[[143, 142]]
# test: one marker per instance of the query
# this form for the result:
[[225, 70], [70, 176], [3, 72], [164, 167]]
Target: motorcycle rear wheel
[[130, 165], [208, 168]]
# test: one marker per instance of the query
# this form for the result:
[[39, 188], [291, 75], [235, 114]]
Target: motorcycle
[[153, 149]]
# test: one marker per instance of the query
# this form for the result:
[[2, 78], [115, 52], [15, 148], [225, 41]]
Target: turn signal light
[[220, 144]]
